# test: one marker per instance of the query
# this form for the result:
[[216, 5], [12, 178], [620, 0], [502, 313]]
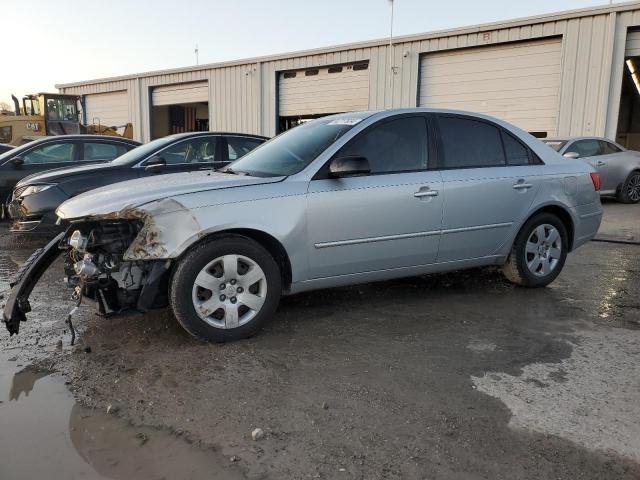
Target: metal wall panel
[[181, 93], [326, 90], [242, 94], [517, 82], [109, 109]]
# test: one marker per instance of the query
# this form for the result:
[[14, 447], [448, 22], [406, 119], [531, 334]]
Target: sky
[[58, 41]]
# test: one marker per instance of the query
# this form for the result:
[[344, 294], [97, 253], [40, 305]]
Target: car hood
[[135, 193], [57, 174]]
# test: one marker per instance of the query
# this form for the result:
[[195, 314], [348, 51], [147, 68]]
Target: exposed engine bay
[[95, 262], [96, 267]]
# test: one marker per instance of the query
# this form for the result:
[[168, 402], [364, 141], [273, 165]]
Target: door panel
[[363, 224], [41, 157], [483, 207]]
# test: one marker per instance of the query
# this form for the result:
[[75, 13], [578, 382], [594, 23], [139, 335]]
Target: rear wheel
[[539, 252], [225, 289], [630, 190]]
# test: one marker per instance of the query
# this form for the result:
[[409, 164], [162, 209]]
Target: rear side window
[[470, 143], [516, 152], [94, 151], [394, 146]]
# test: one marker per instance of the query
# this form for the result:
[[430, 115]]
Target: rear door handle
[[600, 163], [522, 186], [426, 193]]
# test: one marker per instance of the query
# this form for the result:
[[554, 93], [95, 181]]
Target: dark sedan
[[57, 151], [35, 198]]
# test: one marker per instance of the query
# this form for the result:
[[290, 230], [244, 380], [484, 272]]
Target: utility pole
[[392, 68], [196, 51]]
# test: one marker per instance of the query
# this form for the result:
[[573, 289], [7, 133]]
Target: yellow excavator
[[51, 114]]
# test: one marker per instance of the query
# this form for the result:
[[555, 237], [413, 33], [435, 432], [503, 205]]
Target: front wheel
[[539, 252], [225, 289], [630, 190]]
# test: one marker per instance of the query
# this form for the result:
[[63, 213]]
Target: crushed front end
[[99, 264]]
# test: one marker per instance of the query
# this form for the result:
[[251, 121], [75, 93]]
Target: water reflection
[[45, 434]]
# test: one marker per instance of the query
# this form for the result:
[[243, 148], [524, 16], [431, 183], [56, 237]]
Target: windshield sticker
[[345, 121]]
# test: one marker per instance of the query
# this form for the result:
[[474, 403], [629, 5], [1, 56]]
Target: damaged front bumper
[[95, 267], [22, 285]]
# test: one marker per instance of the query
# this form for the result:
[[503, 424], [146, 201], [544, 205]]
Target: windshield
[[556, 144], [291, 152], [143, 151]]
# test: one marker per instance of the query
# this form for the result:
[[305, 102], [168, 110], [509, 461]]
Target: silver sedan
[[619, 168], [346, 199]]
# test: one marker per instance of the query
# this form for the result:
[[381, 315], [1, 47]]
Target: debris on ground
[[257, 434]]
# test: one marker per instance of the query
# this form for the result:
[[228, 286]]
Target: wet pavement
[[456, 376]]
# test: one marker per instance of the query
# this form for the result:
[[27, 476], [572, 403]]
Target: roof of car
[[569, 139], [85, 137], [230, 134]]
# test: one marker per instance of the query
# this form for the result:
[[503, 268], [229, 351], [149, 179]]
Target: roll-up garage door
[[517, 82], [633, 44], [109, 109], [194, 92], [324, 90]]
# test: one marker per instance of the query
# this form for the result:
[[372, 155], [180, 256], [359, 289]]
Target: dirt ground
[[456, 376]]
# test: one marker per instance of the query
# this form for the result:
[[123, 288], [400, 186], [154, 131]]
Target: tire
[[522, 267], [202, 290], [630, 190]]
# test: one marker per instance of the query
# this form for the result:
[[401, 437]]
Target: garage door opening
[[179, 108], [304, 95], [628, 133]]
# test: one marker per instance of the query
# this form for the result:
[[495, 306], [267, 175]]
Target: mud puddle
[[46, 434]]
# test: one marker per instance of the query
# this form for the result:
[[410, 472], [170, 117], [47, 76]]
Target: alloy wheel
[[229, 291], [633, 187], [543, 250]]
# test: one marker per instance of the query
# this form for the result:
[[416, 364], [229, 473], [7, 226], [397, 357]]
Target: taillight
[[595, 178]]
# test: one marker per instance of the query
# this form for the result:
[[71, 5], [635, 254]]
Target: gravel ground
[[456, 376]]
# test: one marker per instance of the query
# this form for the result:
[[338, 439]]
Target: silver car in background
[[619, 168], [345, 199]]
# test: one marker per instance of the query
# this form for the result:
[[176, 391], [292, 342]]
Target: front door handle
[[426, 193], [522, 186]]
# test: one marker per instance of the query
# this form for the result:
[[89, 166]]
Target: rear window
[[556, 144]]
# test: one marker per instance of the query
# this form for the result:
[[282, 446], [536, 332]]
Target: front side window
[[585, 148], [393, 146], [608, 148], [56, 153], [94, 151], [240, 146], [469, 143], [196, 150]]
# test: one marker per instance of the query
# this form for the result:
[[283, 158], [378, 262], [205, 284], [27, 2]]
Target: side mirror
[[17, 162], [571, 155], [155, 164], [348, 167]]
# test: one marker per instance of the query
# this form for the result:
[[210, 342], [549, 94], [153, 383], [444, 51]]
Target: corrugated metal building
[[554, 75]]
